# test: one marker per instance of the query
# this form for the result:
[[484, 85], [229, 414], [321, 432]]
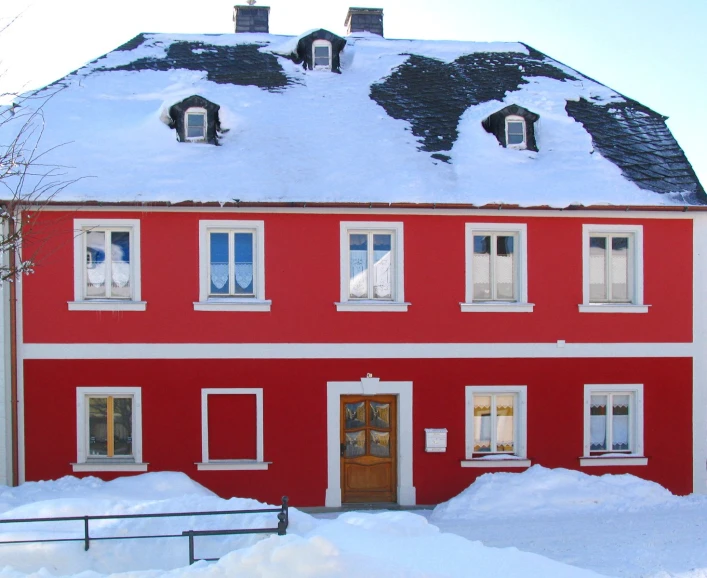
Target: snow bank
[[543, 491]]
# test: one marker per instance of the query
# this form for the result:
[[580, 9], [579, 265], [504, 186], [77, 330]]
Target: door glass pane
[[482, 423], [619, 269], [505, 267], [120, 264], [380, 444], [504, 423], [382, 267], [218, 264], [380, 414], [243, 251], [620, 423], [597, 422], [355, 444], [97, 426], [95, 264], [123, 426], [597, 269], [481, 267], [358, 265], [354, 415], [516, 132]]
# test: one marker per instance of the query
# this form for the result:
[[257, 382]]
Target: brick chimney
[[364, 20], [251, 18]]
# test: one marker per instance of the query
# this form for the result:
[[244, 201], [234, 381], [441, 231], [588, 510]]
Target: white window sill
[[233, 304], [372, 305], [109, 466], [232, 465], [612, 308], [107, 305], [509, 462], [613, 460], [497, 307]]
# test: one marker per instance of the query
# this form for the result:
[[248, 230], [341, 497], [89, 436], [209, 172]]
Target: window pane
[[97, 426], [504, 423], [481, 267], [505, 268], [620, 423], [380, 444], [243, 251], [597, 269], [354, 415], [380, 415], [619, 269], [321, 56], [382, 267], [597, 422], [95, 264], [358, 265], [120, 264], [218, 264], [516, 132], [195, 125], [355, 444], [123, 426], [482, 423]]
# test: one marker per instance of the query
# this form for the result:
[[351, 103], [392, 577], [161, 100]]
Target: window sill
[[232, 465], [109, 466], [497, 307], [509, 462], [107, 305], [612, 308], [371, 305], [614, 460], [235, 304]]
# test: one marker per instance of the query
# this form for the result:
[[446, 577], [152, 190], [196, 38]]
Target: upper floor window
[[496, 268], [372, 267], [107, 265], [232, 266], [515, 132], [321, 54], [613, 268], [195, 123]]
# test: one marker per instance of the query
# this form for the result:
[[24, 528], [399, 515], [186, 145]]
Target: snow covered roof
[[401, 123]]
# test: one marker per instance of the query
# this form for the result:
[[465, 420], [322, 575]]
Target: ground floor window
[[613, 419]]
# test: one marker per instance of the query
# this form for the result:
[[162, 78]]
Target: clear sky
[[654, 51]]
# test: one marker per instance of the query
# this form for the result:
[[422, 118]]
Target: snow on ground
[[533, 524]]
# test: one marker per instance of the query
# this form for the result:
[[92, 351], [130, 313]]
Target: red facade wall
[[302, 280], [295, 416]]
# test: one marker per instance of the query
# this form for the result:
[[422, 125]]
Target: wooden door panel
[[368, 448]]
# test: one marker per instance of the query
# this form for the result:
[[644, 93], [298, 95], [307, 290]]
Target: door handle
[[342, 448]]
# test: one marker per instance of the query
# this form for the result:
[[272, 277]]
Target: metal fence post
[[191, 548], [283, 518], [85, 533]]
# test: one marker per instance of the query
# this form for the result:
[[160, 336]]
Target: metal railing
[[280, 529]]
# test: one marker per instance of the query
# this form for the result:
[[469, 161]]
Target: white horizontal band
[[350, 350]]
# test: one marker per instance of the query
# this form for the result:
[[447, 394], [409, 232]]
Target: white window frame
[[81, 302], [635, 232], [321, 42], [519, 458], [397, 303], [195, 110], [515, 118], [635, 457], [209, 464], [520, 230], [85, 463], [230, 303]]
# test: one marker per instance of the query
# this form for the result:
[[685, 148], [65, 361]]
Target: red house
[[352, 269]]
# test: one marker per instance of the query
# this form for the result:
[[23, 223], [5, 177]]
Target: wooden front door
[[368, 448]]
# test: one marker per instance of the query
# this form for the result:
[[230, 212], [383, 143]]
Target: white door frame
[[369, 386]]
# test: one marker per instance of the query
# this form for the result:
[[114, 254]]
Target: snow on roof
[[402, 123]]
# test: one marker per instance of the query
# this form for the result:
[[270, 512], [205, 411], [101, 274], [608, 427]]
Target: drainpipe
[[13, 345]]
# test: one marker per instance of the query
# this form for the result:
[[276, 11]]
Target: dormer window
[[195, 124], [321, 54], [515, 132], [513, 127]]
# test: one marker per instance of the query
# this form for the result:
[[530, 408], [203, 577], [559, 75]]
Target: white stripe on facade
[[352, 350]]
